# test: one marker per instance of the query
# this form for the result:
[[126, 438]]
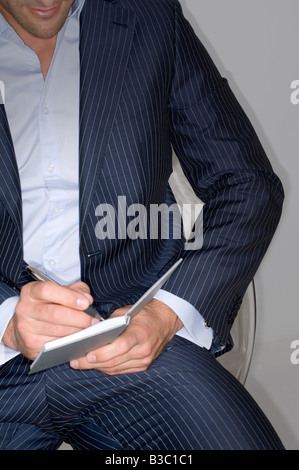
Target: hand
[[139, 345], [47, 311]]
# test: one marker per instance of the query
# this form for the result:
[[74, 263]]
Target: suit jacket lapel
[[105, 42], [10, 188]]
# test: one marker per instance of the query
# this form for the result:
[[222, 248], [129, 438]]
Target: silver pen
[[40, 276]]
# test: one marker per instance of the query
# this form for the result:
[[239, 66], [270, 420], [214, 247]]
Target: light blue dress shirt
[[44, 121]]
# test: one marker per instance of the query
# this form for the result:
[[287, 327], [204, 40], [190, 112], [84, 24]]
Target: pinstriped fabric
[[161, 83], [186, 400], [145, 77], [98, 103], [147, 85], [132, 167], [9, 172], [10, 211], [242, 197]]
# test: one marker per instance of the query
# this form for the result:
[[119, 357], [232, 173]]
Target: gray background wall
[[255, 45]]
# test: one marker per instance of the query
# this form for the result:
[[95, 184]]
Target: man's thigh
[[20, 436], [25, 421], [185, 400]]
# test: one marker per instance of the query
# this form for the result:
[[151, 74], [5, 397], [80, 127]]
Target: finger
[[123, 368], [45, 316], [61, 316], [50, 292], [120, 350], [82, 288], [119, 312], [126, 353]]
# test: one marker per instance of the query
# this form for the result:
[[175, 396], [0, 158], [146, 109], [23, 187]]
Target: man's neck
[[44, 48]]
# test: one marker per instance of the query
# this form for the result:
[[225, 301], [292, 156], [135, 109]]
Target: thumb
[[120, 312]]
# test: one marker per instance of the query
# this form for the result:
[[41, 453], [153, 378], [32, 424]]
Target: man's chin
[[43, 29], [42, 23]]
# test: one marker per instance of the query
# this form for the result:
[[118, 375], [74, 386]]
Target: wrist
[[167, 314], [9, 337]]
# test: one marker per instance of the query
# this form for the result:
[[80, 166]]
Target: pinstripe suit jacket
[[147, 86]]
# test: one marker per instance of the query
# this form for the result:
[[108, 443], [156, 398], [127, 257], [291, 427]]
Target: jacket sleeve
[[226, 165]]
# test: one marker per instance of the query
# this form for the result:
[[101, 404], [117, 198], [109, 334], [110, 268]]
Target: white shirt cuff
[[7, 309], [194, 329]]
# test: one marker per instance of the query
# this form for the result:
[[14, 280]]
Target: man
[[96, 94]]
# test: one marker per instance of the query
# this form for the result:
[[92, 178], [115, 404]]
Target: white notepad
[[78, 344]]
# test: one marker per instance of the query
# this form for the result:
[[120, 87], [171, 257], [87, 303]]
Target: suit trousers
[[185, 400]]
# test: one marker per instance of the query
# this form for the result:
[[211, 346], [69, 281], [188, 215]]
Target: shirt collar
[[76, 8], [4, 25]]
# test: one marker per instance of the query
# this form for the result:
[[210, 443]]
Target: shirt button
[[52, 263], [56, 210], [51, 168], [45, 110]]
